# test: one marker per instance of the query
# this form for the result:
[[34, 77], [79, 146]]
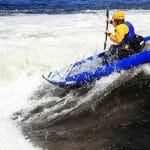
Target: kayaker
[[127, 42]]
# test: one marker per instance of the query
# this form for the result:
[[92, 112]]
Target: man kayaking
[[127, 42]]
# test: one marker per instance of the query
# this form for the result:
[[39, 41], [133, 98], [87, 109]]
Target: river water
[[111, 114]]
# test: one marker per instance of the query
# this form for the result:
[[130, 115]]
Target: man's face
[[115, 22]]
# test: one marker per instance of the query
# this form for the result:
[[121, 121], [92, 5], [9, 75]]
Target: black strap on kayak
[[107, 15]]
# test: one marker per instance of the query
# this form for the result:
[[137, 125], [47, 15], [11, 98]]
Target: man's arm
[[119, 33]]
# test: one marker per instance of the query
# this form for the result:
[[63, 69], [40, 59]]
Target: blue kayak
[[91, 69]]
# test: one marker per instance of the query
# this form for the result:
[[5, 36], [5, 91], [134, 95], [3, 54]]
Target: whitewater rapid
[[33, 44]]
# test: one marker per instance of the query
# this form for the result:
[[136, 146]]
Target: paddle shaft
[[107, 15]]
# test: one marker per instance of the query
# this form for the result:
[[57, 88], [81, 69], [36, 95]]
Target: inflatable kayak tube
[[91, 69]]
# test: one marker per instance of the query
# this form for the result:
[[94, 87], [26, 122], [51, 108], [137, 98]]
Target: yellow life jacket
[[120, 32]]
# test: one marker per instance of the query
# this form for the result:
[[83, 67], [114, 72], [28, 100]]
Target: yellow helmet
[[118, 15]]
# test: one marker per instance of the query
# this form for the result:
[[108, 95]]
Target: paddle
[[107, 15]]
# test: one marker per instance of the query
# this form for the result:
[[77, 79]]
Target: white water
[[31, 45]]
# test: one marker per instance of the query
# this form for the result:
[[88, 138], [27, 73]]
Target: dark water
[[69, 6], [118, 120]]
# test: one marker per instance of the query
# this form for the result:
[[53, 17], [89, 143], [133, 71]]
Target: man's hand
[[107, 33], [109, 21]]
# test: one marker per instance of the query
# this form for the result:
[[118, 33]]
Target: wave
[[108, 119]]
